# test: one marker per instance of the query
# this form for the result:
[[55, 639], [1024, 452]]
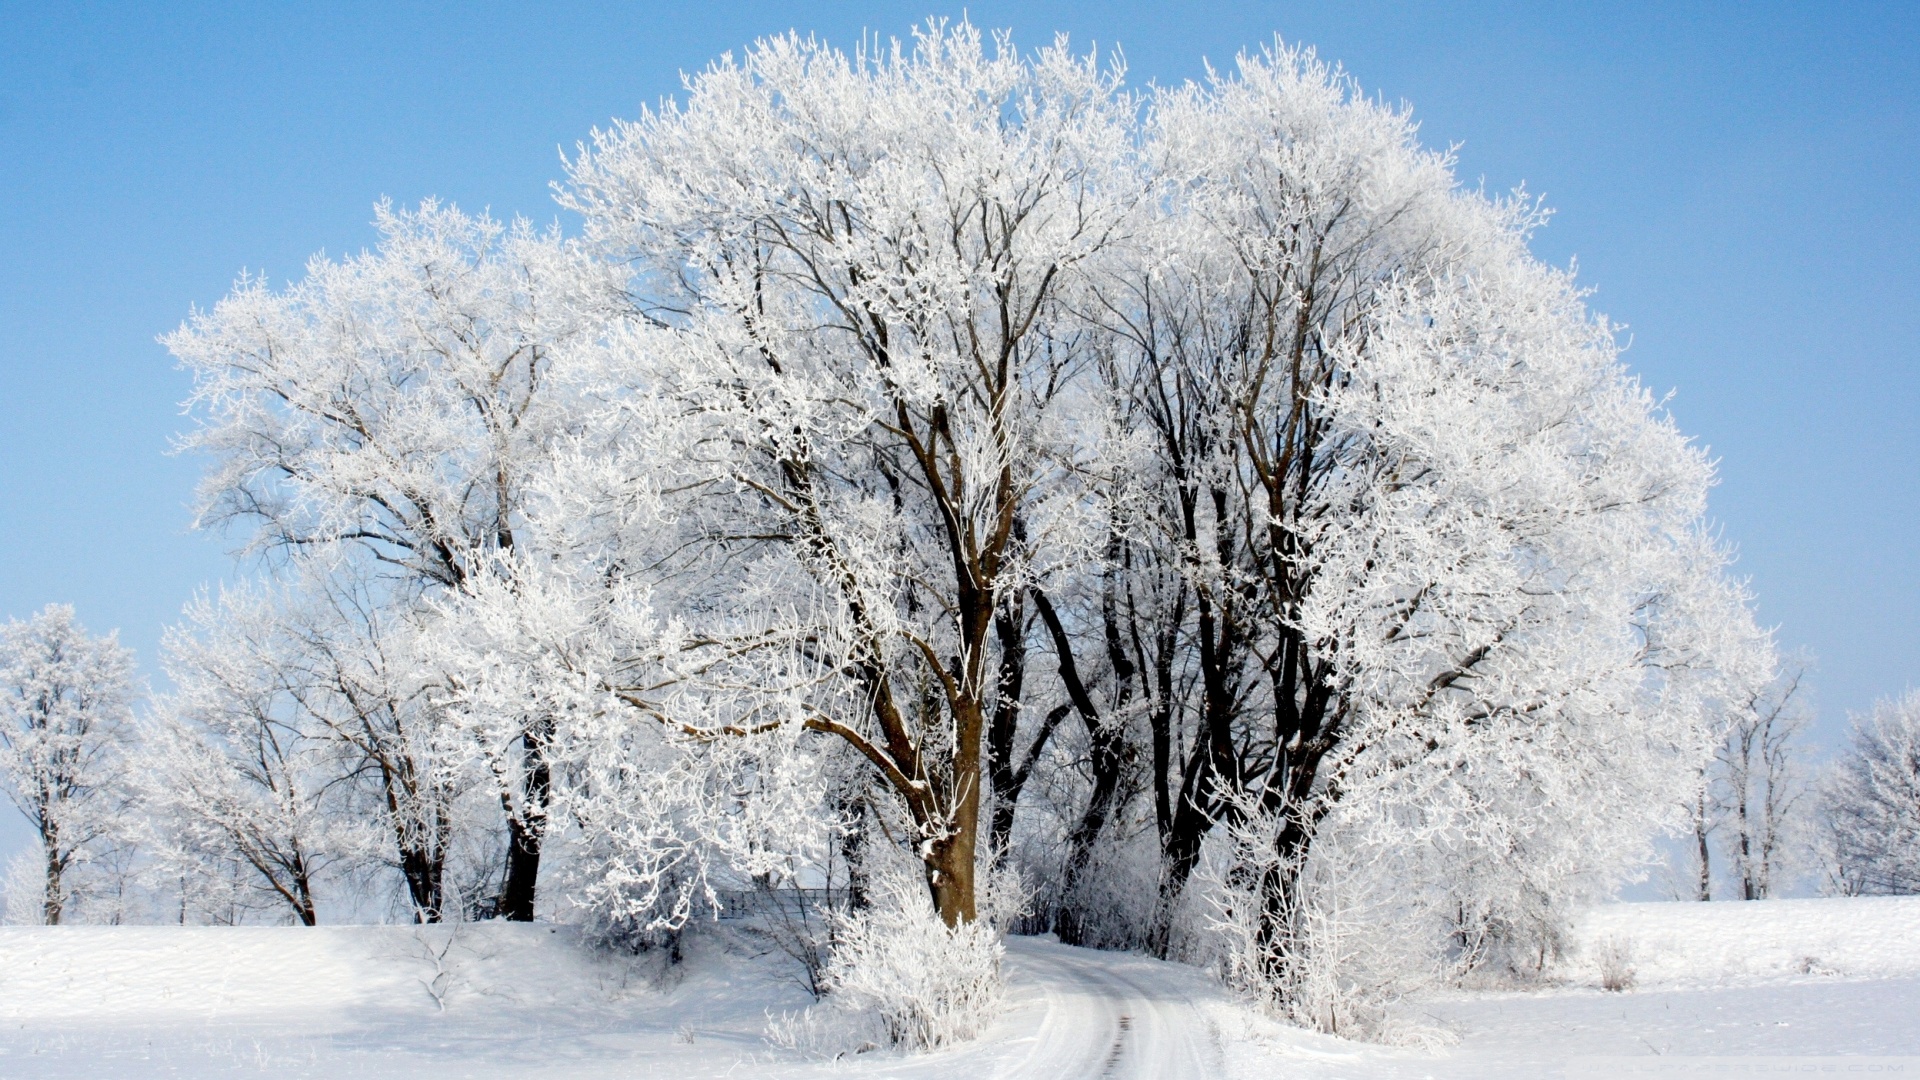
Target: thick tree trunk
[[54, 902], [950, 873], [523, 870], [1009, 625], [527, 827]]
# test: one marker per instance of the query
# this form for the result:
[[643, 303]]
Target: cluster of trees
[[1767, 821], [1755, 804], [1191, 510]]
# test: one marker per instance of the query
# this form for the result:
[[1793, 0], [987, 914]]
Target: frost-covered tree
[[1758, 787], [238, 782], [864, 264], [66, 701], [1445, 588], [357, 672], [307, 739], [1251, 442], [1871, 796], [388, 409], [1524, 626], [656, 813]]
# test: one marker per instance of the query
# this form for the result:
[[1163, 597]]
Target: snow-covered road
[[1076, 1014], [1104, 1016]]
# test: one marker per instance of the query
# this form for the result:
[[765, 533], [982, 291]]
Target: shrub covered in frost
[[926, 984], [901, 977]]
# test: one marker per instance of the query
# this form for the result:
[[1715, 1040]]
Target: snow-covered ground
[[1763, 979], [1718, 944], [1795, 977]]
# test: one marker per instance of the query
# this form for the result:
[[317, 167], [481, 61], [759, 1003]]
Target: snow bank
[[1728, 943], [124, 973], [386, 1002]]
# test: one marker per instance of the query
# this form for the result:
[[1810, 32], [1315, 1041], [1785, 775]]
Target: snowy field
[[1780, 978]]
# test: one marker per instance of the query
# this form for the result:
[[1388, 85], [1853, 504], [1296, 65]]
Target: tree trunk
[[303, 905], [55, 901], [1160, 718], [527, 827], [1108, 757], [1212, 769], [853, 851], [1192, 819], [1002, 770], [1700, 837], [1279, 901], [950, 875], [423, 871], [1106, 750], [1749, 886]]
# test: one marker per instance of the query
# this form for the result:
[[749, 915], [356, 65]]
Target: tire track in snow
[[1080, 1014], [1108, 1016]]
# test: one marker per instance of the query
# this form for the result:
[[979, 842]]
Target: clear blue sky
[[1737, 181]]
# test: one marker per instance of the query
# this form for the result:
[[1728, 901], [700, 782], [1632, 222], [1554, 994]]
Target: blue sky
[[1736, 181]]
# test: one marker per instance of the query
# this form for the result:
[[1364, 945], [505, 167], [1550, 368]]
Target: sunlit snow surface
[[1813, 977]]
